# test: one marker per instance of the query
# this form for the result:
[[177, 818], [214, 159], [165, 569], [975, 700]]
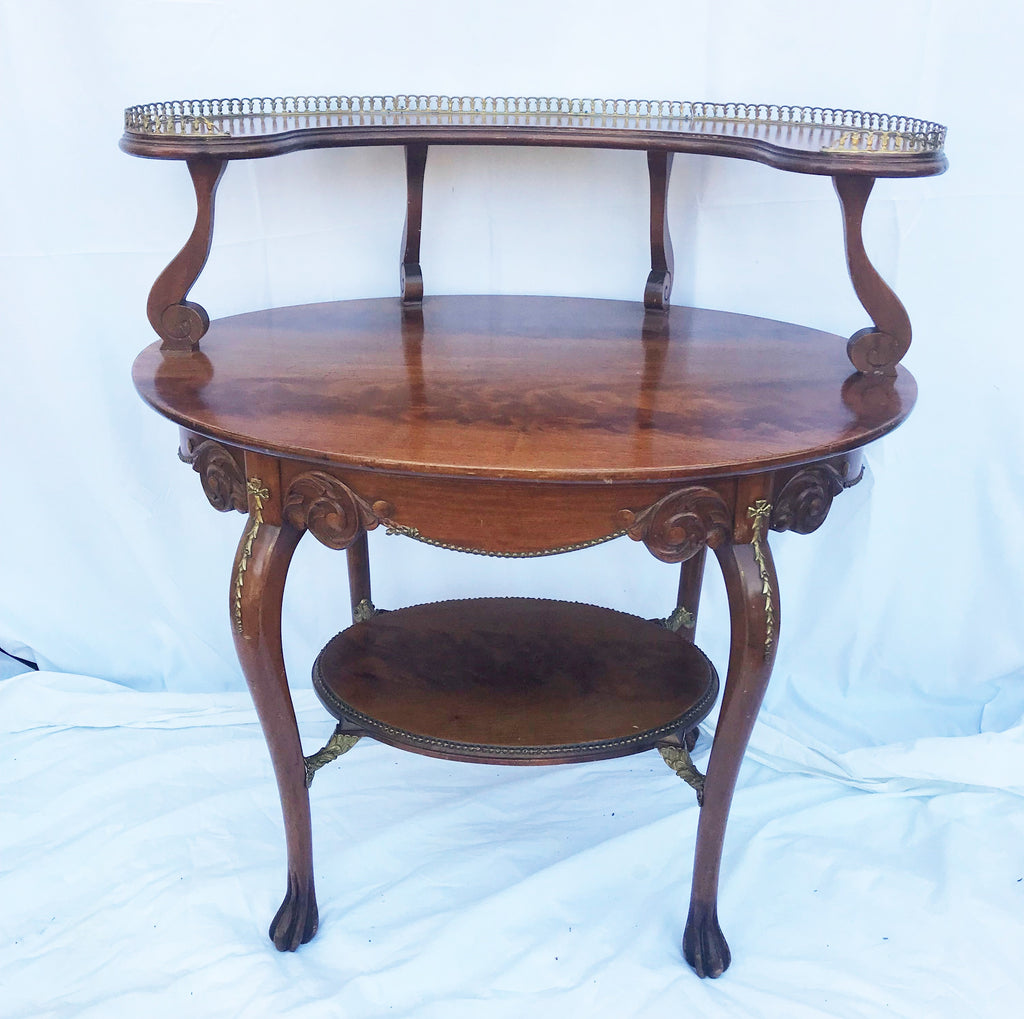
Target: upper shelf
[[804, 139]]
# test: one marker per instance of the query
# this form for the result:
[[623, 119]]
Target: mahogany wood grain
[[523, 426], [751, 655], [691, 579], [182, 324], [411, 274], [879, 349], [515, 681], [536, 388], [264, 553], [659, 280], [358, 554]]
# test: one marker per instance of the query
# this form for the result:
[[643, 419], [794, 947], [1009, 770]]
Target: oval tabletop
[[805, 139], [537, 388]]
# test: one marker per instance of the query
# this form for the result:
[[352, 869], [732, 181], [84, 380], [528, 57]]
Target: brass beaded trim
[[867, 132], [413, 532]]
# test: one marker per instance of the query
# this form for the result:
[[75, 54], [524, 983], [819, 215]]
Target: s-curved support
[[878, 349], [753, 593], [257, 588], [659, 280], [179, 323], [411, 273]]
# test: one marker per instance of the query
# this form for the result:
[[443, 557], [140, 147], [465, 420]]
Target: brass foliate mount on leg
[[761, 514], [681, 618], [340, 743], [678, 759]]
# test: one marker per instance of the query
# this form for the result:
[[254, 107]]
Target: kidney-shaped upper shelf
[[804, 139]]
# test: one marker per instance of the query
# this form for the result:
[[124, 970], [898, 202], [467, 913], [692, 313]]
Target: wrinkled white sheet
[[142, 856]]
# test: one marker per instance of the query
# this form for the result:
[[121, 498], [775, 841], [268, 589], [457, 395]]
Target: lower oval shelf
[[515, 681]]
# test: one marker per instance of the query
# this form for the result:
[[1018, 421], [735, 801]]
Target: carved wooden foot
[[752, 589], [261, 566], [704, 944], [297, 918]]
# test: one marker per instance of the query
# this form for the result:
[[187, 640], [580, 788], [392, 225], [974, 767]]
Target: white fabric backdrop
[[901, 658]]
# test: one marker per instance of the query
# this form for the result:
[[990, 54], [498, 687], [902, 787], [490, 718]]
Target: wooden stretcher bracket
[[659, 280], [179, 323], [877, 349], [411, 273]]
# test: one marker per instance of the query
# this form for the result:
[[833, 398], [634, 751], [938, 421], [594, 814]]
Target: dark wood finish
[[751, 656], [681, 524], [879, 349], [515, 681], [257, 588], [182, 324], [517, 426], [221, 469], [358, 573], [521, 387], [659, 280], [691, 578], [411, 276], [803, 497]]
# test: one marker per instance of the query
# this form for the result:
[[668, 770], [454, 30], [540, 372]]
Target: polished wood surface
[[515, 680], [524, 387], [797, 138], [520, 426]]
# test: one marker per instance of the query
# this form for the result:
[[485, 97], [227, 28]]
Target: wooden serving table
[[523, 426]]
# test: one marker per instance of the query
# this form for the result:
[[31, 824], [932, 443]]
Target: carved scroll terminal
[[330, 510], [678, 525], [878, 349], [180, 323], [222, 477], [659, 280]]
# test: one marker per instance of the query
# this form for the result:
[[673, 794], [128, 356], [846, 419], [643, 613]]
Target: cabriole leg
[[261, 565], [752, 590]]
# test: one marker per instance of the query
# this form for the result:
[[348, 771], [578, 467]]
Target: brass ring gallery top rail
[[801, 138]]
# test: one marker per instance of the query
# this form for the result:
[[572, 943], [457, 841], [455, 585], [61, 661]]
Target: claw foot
[[297, 919], [704, 945]]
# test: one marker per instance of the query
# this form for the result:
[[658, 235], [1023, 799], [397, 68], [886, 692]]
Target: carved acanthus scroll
[[180, 323], [678, 525], [330, 510], [879, 348], [806, 498], [222, 476]]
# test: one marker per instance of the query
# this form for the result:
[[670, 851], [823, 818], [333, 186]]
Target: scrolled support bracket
[[181, 324], [326, 507], [877, 349], [221, 473], [659, 280], [411, 275], [679, 524]]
